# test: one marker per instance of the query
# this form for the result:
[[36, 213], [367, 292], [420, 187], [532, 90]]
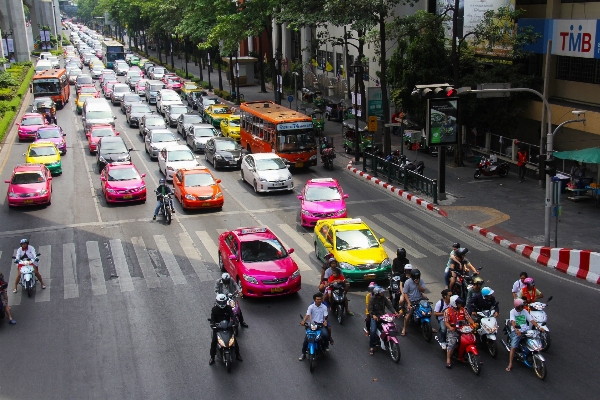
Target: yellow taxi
[[142, 62], [45, 153], [97, 62], [215, 113], [81, 99], [358, 251], [188, 88], [230, 127]]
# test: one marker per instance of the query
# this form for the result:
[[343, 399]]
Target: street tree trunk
[[387, 141], [261, 66], [455, 58]]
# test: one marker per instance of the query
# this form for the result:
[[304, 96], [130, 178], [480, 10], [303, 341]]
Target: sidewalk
[[503, 206]]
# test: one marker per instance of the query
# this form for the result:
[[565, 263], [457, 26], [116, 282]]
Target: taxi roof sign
[[348, 221], [322, 180], [253, 230]]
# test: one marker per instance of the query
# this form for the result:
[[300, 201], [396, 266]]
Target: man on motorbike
[[27, 251], [460, 266], [452, 257], [399, 262], [519, 284], [372, 286], [482, 301], [476, 289], [454, 316], [519, 323], [412, 293], [376, 308], [438, 311], [407, 270], [221, 311], [326, 272], [162, 189], [317, 313], [529, 293], [337, 277], [227, 285], [4, 299]]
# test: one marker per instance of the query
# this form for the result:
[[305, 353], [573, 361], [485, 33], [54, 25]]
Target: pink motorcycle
[[387, 333]]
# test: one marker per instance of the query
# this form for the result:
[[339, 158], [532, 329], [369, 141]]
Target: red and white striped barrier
[[584, 264], [402, 193]]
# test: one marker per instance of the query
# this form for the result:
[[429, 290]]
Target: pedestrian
[[521, 162], [4, 300], [396, 119]]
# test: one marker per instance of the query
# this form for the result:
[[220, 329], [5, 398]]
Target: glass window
[[123, 174], [49, 133], [102, 132], [42, 151], [263, 250], [181, 155], [32, 121], [205, 132], [355, 239], [322, 193], [24, 178], [270, 164], [225, 145], [162, 137], [193, 180]]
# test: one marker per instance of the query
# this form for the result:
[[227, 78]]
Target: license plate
[[28, 202], [205, 204], [277, 290], [299, 165], [369, 276], [233, 162], [128, 196]]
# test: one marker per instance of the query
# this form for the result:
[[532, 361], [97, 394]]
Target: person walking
[[521, 162]]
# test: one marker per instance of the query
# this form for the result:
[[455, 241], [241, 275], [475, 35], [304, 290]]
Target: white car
[[122, 68], [172, 159], [266, 172], [158, 139], [165, 98], [54, 61]]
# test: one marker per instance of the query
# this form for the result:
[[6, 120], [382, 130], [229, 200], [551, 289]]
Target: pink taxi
[[28, 126], [321, 198], [30, 184], [173, 83], [122, 182], [259, 262]]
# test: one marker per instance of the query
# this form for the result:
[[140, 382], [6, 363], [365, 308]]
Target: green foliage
[[7, 80], [5, 122], [223, 94], [7, 93], [65, 40]]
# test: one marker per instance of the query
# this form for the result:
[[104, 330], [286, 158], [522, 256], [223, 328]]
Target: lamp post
[[208, 70], [237, 77], [5, 36], [357, 68], [296, 88], [278, 80]]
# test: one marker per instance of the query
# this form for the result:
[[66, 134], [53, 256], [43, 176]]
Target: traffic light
[[436, 91], [550, 166]]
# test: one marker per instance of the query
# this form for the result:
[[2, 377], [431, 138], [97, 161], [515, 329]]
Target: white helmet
[[221, 300], [225, 277], [453, 300]]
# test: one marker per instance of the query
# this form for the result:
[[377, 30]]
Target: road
[[124, 315]]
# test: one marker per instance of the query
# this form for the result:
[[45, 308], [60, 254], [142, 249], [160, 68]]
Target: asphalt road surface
[[124, 315]]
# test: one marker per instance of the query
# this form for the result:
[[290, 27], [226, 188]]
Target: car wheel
[[147, 152], [221, 265], [242, 171], [255, 187]]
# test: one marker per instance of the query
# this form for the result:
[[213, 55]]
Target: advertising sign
[[442, 128], [10, 45], [294, 125], [374, 102], [575, 38]]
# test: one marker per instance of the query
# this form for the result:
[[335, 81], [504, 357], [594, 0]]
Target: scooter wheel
[[492, 348], [311, 362], [477, 174], [394, 349], [474, 362]]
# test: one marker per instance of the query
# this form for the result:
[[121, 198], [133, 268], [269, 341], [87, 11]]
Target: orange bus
[[266, 127], [52, 83]]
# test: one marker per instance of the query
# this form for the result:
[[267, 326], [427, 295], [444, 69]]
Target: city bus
[[111, 51], [266, 127], [52, 83]]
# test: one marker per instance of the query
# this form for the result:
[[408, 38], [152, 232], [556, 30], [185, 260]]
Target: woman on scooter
[[529, 293], [27, 251], [460, 266], [453, 317]]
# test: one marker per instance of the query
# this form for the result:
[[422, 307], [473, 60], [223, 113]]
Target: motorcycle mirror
[[291, 250], [38, 254], [300, 197], [549, 298]]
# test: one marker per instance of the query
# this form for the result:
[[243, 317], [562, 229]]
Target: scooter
[[387, 333], [486, 168], [529, 351], [225, 342], [537, 312], [27, 270], [165, 207], [395, 292], [464, 282], [468, 344], [327, 156], [421, 315], [338, 300], [315, 347], [488, 327]]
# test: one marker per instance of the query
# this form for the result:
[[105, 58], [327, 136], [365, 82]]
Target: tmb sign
[[575, 38]]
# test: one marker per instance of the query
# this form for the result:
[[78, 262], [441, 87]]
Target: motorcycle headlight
[[221, 342], [189, 197], [231, 341], [385, 263], [313, 157], [345, 265], [295, 274], [250, 279], [219, 195]]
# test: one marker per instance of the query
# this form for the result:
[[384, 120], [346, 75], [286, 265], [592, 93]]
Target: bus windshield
[[294, 140], [46, 87]]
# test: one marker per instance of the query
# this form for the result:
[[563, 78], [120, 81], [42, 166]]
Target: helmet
[[477, 280], [372, 286], [486, 291], [161, 181], [456, 245], [378, 290], [332, 262], [225, 277], [415, 274], [462, 251], [518, 303], [455, 300], [529, 282], [401, 253], [24, 241], [221, 300], [408, 267]]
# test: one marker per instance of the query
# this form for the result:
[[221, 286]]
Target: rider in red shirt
[[454, 316]]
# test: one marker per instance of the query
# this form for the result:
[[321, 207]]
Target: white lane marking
[[14, 299], [96, 271], [209, 245], [447, 242], [44, 270], [407, 232], [193, 254], [118, 255], [71, 288], [388, 236], [169, 259], [146, 266], [301, 240], [455, 232]]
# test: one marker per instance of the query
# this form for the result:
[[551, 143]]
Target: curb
[[402, 193], [583, 264]]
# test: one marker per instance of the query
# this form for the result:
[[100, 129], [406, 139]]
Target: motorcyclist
[[454, 316], [337, 277], [226, 285], [519, 323], [438, 311], [376, 308], [399, 262], [452, 257], [482, 301], [4, 299], [327, 270], [412, 293], [519, 284], [529, 293], [317, 313], [475, 289], [163, 190], [221, 311], [407, 270], [372, 286], [27, 251], [460, 266]]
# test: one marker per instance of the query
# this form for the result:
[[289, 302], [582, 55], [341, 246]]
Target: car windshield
[[179, 110], [121, 89], [99, 115], [193, 180], [113, 147], [192, 119], [322, 193], [356, 239], [24, 178], [132, 98], [84, 79], [141, 109], [171, 82], [234, 122], [196, 95], [208, 102], [263, 250], [159, 70], [75, 72], [220, 110], [123, 174], [155, 122], [42, 151], [102, 132], [296, 140], [225, 145], [49, 133], [134, 79], [162, 137], [269, 164], [181, 155], [204, 132], [91, 90], [32, 121], [170, 97]]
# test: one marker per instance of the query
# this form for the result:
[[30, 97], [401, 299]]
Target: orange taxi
[[197, 188]]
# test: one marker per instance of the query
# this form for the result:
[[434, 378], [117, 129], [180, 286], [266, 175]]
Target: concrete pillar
[[553, 9], [306, 35], [16, 15], [250, 44], [287, 45], [56, 13], [4, 21], [47, 15]]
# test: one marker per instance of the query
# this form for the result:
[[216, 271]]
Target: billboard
[[570, 37], [442, 115]]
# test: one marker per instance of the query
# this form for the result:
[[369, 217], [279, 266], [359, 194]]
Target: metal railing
[[379, 167]]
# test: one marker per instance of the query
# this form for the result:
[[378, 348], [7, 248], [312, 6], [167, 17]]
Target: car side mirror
[[345, 196], [87, 135], [64, 134], [103, 179], [130, 149], [117, 133], [114, 117], [328, 246], [300, 197], [232, 257], [291, 250], [7, 181], [23, 153], [382, 240], [143, 175]]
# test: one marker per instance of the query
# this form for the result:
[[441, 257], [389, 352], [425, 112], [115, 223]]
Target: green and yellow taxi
[[188, 88], [358, 251], [44, 153], [230, 127], [81, 99], [135, 60], [215, 113], [142, 62]]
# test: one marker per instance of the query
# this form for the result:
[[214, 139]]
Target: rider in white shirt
[[27, 251]]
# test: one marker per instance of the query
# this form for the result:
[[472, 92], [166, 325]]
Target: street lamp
[[357, 68], [6, 34], [278, 79]]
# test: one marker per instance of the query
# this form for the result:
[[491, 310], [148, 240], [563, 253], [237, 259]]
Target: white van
[[97, 111], [43, 65]]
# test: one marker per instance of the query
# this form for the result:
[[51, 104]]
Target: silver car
[[158, 139], [266, 172], [198, 135]]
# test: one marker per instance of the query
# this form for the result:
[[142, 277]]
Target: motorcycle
[[395, 292], [316, 347], [421, 315], [235, 306], [225, 342], [387, 333], [529, 351], [539, 315], [27, 270], [467, 344], [488, 327], [486, 168], [165, 206], [338, 300], [464, 282]]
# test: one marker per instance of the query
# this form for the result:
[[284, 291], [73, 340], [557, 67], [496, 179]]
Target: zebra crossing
[[96, 268]]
